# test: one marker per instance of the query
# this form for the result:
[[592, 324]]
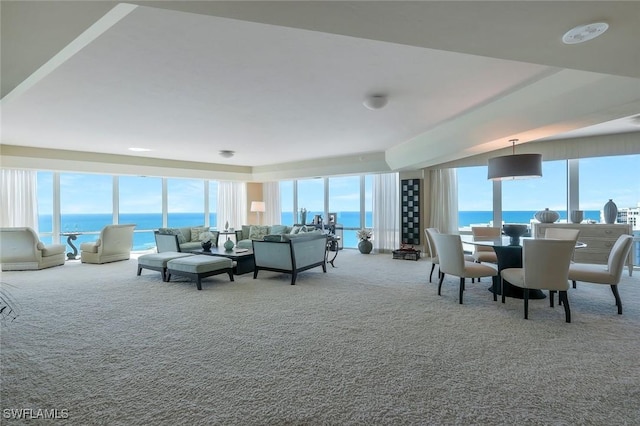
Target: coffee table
[[244, 262]]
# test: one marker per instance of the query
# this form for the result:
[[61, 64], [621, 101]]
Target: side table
[[71, 236]]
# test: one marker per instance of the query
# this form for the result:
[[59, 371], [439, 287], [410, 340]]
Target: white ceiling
[[187, 79]]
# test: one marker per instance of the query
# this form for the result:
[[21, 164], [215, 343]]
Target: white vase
[[610, 212], [547, 216]]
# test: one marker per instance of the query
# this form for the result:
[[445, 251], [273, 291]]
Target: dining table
[[509, 256]]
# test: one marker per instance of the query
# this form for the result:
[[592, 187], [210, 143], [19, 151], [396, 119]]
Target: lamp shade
[[257, 206], [521, 166]]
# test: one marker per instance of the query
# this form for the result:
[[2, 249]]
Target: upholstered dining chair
[[433, 254], [608, 274], [545, 266], [431, 249], [484, 253], [563, 234], [452, 261]]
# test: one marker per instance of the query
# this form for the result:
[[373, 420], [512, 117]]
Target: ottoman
[[199, 266], [158, 261]]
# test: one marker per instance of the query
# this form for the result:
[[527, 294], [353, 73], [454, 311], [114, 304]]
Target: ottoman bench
[[158, 261], [199, 266]]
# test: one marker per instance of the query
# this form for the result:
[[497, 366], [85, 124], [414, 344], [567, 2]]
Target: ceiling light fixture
[[226, 153], [522, 166], [375, 101], [584, 33]]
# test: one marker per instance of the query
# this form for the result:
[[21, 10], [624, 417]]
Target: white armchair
[[114, 244], [21, 249]]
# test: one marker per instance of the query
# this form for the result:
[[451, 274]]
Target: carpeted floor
[[369, 342]]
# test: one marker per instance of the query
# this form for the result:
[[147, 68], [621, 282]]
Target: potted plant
[[205, 238], [364, 235]]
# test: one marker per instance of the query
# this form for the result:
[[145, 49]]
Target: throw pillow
[[294, 230], [257, 232], [173, 231], [196, 231], [245, 232]]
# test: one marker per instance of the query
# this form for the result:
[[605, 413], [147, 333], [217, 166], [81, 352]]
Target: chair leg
[[461, 288], [526, 303], [494, 287], [574, 284], [440, 283], [502, 288], [433, 266], [551, 296], [614, 289], [565, 302]]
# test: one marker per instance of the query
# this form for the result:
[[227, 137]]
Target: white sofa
[[114, 244], [21, 249]]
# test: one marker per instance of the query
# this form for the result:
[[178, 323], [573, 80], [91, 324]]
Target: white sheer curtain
[[271, 197], [386, 212], [444, 200], [19, 206], [232, 204]]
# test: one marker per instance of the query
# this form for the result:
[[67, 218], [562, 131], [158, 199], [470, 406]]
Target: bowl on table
[[514, 231]]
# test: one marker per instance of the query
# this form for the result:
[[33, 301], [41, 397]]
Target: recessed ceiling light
[[226, 153], [584, 33], [134, 149]]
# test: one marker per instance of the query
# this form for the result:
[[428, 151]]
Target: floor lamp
[[257, 207]]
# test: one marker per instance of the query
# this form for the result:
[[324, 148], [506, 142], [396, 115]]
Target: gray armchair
[[291, 254]]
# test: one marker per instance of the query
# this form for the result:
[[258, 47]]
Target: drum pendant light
[[521, 166]]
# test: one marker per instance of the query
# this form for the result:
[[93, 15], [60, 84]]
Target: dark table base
[[511, 257]]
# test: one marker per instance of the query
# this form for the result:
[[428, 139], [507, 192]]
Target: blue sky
[[600, 179]]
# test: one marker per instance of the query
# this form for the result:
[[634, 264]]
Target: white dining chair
[[452, 261], [608, 274], [483, 253], [545, 266]]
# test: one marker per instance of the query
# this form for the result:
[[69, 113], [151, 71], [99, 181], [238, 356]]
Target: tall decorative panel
[[410, 214]]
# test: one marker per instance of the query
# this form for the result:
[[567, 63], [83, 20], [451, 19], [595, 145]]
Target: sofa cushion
[[301, 235], [273, 237], [53, 249], [278, 229], [258, 232], [173, 231], [294, 230]]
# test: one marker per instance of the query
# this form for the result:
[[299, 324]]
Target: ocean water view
[[89, 225]]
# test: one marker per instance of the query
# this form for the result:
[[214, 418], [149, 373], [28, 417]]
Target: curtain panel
[[232, 204], [19, 198], [444, 200], [386, 212], [273, 208]]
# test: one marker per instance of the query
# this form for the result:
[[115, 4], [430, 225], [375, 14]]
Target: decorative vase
[[365, 246], [547, 216], [577, 216], [226, 225], [228, 245], [206, 245], [610, 211]]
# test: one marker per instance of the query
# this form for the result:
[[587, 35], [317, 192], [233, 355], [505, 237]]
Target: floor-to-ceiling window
[[311, 197], [140, 202], [86, 204], [522, 198], [475, 197], [185, 202], [345, 199], [288, 213], [213, 205]]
